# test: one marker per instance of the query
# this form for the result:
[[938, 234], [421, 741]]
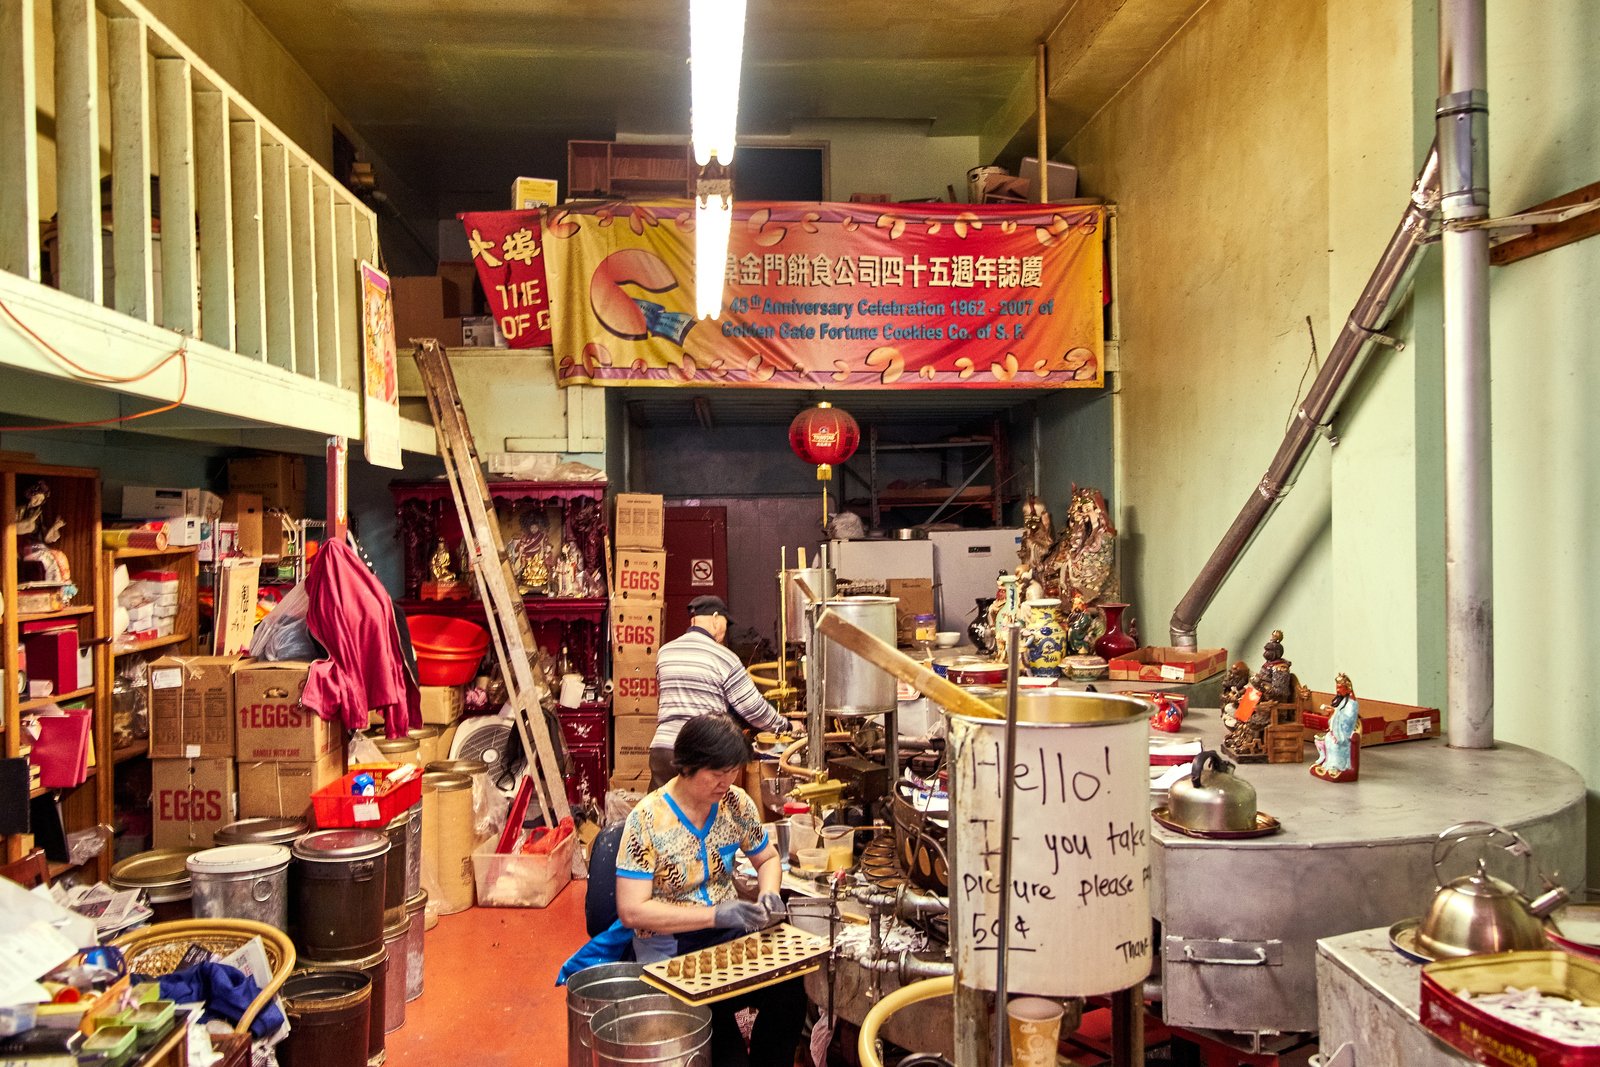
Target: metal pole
[[1463, 133], [1127, 1027], [1043, 91], [1008, 796]]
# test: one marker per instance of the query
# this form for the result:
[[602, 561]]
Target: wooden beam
[[131, 249], [214, 192], [180, 263], [19, 163], [346, 274], [78, 150], [303, 269], [277, 273], [330, 338], [1545, 236], [249, 258]]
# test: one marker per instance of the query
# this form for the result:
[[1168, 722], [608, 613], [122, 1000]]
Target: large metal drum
[[651, 1031], [851, 685], [338, 886], [590, 990], [242, 882], [328, 1016], [820, 582], [1080, 845]]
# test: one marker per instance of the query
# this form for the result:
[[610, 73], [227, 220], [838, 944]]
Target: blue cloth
[[608, 946], [227, 993]]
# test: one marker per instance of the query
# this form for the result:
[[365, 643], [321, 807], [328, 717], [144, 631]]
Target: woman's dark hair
[[713, 741]]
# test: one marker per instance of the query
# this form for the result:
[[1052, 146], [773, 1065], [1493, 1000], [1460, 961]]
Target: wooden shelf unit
[[74, 497], [629, 170]]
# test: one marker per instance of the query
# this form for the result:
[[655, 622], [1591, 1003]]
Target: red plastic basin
[[448, 649]]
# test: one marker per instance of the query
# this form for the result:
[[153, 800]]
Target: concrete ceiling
[[459, 95]]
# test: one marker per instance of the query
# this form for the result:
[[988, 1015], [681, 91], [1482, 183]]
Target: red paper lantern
[[824, 435]]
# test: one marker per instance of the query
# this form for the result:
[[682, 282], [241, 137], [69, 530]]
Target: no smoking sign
[[701, 572]]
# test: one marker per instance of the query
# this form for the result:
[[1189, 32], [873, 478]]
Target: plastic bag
[[283, 635]]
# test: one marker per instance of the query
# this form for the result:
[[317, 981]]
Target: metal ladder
[[507, 618]]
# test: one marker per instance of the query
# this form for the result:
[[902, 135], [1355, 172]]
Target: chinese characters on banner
[[505, 249], [819, 295]]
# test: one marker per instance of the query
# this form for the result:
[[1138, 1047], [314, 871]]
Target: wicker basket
[[159, 948]]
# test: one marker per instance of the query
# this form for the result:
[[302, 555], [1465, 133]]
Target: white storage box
[[517, 880]]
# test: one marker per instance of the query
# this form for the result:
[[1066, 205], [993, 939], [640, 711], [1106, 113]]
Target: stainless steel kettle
[[1212, 798], [1477, 912]]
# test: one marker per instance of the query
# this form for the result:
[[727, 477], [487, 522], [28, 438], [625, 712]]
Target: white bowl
[[947, 638]]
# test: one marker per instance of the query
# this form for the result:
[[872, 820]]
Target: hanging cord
[[82, 373], [1314, 363]]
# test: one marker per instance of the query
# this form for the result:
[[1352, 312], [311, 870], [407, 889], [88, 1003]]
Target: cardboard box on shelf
[[1382, 723], [280, 480], [463, 274], [237, 589], [442, 704], [641, 520], [426, 306], [641, 574], [1160, 663], [634, 690], [916, 598], [190, 800], [271, 789], [191, 707], [271, 725], [636, 627], [630, 738], [530, 193], [244, 510], [159, 502]]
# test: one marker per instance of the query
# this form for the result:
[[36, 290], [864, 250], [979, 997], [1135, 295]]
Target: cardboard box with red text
[[190, 799], [191, 707], [270, 724], [1160, 663], [641, 521], [636, 627], [641, 575], [283, 789], [634, 689]]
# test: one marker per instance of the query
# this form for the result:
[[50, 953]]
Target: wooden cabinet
[[51, 532], [627, 171]]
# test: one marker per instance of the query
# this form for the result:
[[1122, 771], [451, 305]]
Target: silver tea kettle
[[1212, 798], [1478, 913]]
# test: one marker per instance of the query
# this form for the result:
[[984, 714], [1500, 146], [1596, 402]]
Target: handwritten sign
[[1080, 855]]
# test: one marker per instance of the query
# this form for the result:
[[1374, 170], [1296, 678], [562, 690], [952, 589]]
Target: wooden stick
[[886, 657]]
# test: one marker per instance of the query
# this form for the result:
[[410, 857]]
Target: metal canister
[[451, 858], [851, 685], [416, 912], [400, 749], [427, 739], [398, 831], [375, 969], [590, 990], [164, 876], [654, 1029], [248, 881], [395, 934], [338, 887], [264, 831], [414, 850]]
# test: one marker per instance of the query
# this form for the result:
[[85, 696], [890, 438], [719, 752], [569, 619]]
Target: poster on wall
[[380, 385], [820, 295], [508, 256]]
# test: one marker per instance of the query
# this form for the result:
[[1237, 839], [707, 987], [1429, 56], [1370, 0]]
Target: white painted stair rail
[[257, 246]]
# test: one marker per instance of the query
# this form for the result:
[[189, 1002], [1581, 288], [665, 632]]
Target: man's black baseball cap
[[708, 605]]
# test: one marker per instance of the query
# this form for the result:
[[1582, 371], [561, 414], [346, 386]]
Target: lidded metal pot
[[1478, 913], [1212, 797]]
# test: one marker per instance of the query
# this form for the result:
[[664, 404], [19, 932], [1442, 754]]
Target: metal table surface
[[1350, 856], [1367, 997]]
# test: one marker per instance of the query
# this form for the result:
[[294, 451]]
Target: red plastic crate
[[336, 808]]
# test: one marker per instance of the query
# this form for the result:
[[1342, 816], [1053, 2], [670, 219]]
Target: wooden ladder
[[508, 620]]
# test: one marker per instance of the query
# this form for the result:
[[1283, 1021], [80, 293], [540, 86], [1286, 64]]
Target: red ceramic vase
[[1116, 641]]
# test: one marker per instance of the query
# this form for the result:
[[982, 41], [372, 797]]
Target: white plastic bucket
[[242, 882]]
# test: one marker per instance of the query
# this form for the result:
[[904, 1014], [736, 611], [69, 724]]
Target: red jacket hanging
[[352, 617]]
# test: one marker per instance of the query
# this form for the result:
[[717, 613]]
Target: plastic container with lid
[[338, 890], [242, 882], [164, 876], [264, 831], [447, 845]]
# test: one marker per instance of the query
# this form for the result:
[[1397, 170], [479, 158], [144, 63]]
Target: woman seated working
[[675, 886]]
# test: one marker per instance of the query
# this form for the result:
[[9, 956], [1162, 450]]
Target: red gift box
[[53, 655]]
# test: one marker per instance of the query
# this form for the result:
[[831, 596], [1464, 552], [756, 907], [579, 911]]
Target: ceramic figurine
[[30, 516], [1084, 627], [533, 556], [1170, 708], [1339, 750], [441, 568], [1083, 558], [1273, 679], [1042, 646], [569, 574]]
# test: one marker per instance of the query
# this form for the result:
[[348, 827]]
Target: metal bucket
[[338, 887], [394, 872], [654, 1030], [819, 581], [242, 882], [164, 876], [1080, 860], [395, 935], [414, 851], [327, 1019], [376, 969], [851, 685], [590, 990], [263, 831], [415, 920]]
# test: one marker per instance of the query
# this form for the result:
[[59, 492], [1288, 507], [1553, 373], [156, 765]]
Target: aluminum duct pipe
[[1463, 140], [1379, 299]]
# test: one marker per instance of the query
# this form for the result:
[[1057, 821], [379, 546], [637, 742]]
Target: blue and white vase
[[1043, 638]]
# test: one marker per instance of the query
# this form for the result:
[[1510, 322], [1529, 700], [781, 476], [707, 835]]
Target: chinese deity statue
[[1339, 750]]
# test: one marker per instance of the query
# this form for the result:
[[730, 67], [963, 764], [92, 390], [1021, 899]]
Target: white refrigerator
[[965, 566], [881, 559]]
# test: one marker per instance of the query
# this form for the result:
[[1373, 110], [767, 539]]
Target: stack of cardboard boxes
[[229, 739], [637, 606]]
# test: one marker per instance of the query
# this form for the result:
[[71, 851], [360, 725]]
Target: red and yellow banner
[[820, 295], [506, 250]]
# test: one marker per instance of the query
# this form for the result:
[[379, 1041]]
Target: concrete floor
[[489, 994]]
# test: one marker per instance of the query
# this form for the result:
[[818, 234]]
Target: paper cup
[[1035, 1031]]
